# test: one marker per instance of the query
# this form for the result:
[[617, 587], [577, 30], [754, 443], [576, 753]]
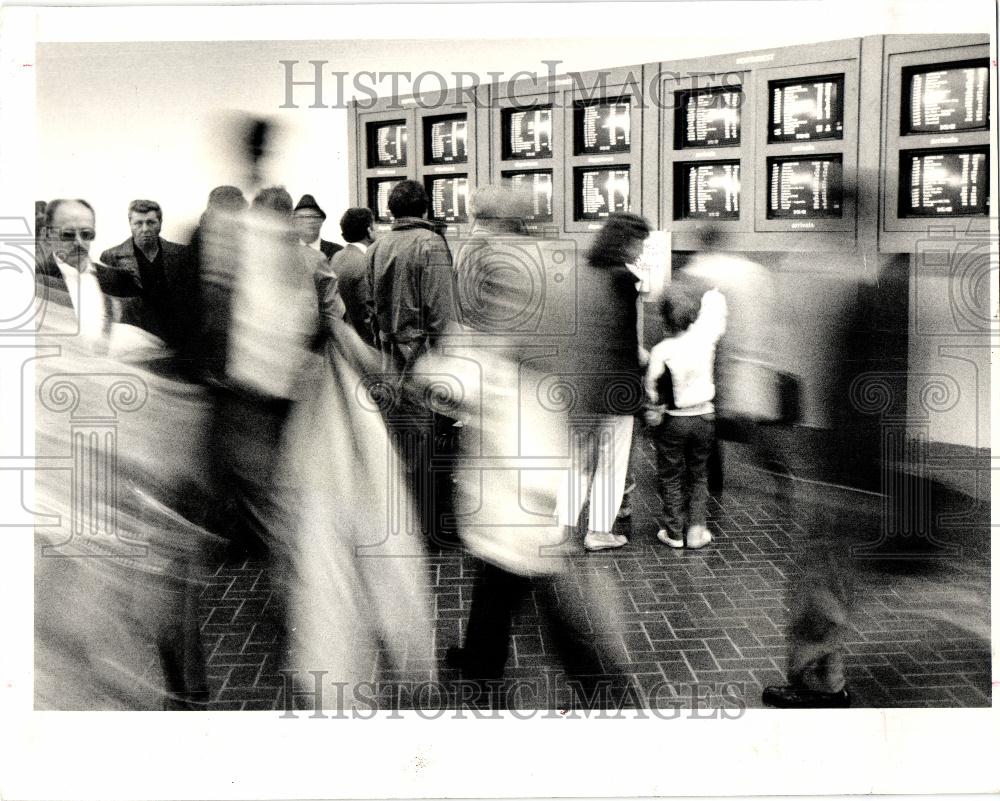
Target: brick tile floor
[[918, 636]]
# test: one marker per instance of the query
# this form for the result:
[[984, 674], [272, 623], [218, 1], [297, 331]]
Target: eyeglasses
[[70, 234]]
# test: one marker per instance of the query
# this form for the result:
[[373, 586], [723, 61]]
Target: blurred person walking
[[511, 467]]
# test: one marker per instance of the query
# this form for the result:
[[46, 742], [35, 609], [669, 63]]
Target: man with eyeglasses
[[65, 275], [164, 273]]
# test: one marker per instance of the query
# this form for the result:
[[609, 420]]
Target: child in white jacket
[[680, 390]]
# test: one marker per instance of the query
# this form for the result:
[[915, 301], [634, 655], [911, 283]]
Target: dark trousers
[[683, 445], [245, 451], [425, 444], [586, 656]]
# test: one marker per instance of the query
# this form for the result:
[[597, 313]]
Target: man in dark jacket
[[411, 309], [309, 219], [163, 271], [350, 268]]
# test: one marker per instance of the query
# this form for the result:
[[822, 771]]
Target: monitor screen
[[527, 133], [805, 188], [446, 139], [603, 126], [936, 183], [537, 187], [946, 97], [387, 144], [707, 190], [449, 196], [378, 197], [708, 117], [805, 109], [598, 192]]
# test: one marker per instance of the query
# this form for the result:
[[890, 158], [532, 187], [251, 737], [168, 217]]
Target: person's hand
[[653, 416]]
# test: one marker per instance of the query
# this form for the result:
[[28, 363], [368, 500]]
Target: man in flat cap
[[309, 218]]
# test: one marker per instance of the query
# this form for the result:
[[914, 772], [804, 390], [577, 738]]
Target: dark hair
[[408, 199], [679, 307], [609, 248], [275, 198], [53, 207], [500, 208], [227, 198], [709, 237], [144, 207], [354, 224]]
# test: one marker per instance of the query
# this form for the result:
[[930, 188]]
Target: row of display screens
[[599, 192], [601, 127], [952, 182], [938, 98]]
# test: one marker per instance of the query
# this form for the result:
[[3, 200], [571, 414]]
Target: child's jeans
[[682, 446]]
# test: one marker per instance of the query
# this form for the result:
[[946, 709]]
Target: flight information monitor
[[603, 126], [378, 197], [527, 133], [806, 109], [535, 186], [387, 144], [936, 183], [946, 97], [708, 117], [707, 190], [446, 139], [598, 192], [805, 188], [449, 196]]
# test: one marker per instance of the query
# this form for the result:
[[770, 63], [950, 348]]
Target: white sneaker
[[602, 540], [664, 537], [698, 537]]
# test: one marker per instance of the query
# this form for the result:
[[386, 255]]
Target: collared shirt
[[315, 244], [359, 245], [87, 299]]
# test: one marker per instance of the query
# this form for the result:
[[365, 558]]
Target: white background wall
[[117, 120]]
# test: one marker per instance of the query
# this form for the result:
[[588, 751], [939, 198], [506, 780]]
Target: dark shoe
[[454, 657], [790, 697]]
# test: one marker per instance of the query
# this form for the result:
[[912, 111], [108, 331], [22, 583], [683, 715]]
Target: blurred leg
[[613, 446], [583, 631], [573, 490], [495, 599]]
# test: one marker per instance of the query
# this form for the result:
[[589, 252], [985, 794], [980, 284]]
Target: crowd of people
[[328, 382]]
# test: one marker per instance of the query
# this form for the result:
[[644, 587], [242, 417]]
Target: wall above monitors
[[526, 132], [946, 97], [378, 197], [707, 190], [806, 109], [449, 195], [600, 191], [387, 143], [446, 139], [602, 126], [945, 182], [804, 188], [708, 117], [536, 186]]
